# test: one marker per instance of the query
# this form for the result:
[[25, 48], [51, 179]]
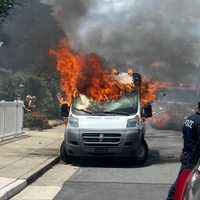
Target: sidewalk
[[27, 157]]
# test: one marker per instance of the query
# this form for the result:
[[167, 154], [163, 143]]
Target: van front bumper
[[120, 143]]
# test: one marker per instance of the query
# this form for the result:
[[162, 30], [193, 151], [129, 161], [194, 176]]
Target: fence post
[[2, 120], [16, 121]]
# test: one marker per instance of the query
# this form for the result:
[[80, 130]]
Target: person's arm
[[58, 97], [196, 150]]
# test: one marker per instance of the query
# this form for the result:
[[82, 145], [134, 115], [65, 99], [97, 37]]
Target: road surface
[[113, 179]]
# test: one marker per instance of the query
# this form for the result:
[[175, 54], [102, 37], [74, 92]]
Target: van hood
[[102, 122]]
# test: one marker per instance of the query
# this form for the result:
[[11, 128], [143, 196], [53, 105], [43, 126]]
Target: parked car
[[188, 187]]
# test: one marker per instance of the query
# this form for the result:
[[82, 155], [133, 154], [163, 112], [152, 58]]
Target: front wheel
[[142, 154], [63, 154]]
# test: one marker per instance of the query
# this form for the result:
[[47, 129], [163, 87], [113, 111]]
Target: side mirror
[[137, 79], [147, 111], [64, 110]]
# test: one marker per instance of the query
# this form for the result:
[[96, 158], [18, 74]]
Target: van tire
[[142, 155], [63, 154]]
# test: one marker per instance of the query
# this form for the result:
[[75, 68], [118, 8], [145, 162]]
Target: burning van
[[110, 128]]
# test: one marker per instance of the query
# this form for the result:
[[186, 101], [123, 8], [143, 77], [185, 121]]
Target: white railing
[[11, 119]]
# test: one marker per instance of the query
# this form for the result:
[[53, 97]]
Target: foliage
[[5, 5], [45, 91], [36, 120], [3, 78], [22, 57]]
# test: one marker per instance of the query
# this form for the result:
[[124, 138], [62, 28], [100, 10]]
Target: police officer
[[191, 150]]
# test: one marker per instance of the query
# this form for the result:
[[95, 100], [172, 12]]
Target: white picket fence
[[11, 119]]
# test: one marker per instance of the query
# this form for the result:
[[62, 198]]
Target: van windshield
[[126, 105]]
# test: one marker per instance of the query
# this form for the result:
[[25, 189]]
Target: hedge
[[5, 5]]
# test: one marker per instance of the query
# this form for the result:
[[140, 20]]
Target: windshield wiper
[[104, 112], [82, 110], [113, 112]]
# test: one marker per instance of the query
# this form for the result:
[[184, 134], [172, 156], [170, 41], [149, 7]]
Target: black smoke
[[159, 38], [27, 33]]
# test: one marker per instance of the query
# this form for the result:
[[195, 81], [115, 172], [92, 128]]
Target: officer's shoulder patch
[[188, 123]]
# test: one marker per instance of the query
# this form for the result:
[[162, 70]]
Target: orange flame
[[148, 92], [86, 74]]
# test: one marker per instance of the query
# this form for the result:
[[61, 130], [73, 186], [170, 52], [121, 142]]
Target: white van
[[113, 128]]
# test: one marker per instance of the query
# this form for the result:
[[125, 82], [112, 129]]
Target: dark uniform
[[191, 150], [191, 134]]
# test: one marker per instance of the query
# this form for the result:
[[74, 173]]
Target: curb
[[13, 188], [41, 170], [21, 183]]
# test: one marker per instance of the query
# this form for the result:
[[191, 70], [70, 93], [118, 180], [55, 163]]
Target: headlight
[[193, 188], [132, 122], [73, 122]]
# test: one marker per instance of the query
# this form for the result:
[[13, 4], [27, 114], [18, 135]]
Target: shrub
[[5, 5], [45, 91], [36, 120]]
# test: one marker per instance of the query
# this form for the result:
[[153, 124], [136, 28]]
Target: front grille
[[101, 139]]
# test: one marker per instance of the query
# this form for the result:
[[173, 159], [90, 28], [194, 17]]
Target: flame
[[69, 67], [86, 74]]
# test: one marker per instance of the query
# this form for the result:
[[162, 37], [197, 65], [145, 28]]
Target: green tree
[[3, 80], [5, 5], [35, 86]]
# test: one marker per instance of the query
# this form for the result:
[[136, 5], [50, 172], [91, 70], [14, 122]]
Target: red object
[[181, 185]]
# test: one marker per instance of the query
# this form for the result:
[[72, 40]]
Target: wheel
[[63, 154], [142, 154]]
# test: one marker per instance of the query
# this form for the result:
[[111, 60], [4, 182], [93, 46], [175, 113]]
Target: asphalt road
[[114, 179]]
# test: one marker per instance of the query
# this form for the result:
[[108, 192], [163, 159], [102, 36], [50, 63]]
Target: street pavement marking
[[38, 193]]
